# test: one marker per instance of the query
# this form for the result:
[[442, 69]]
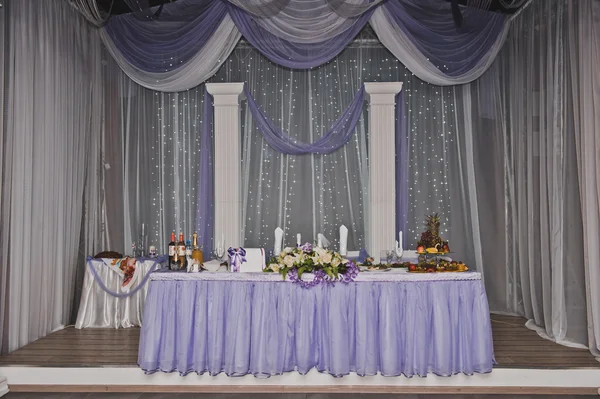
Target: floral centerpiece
[[325, 266]]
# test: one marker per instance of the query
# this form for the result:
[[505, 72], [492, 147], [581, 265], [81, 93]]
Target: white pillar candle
[[400, 246], [298, 239]]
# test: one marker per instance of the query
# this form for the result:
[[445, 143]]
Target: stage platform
[[105, 360]]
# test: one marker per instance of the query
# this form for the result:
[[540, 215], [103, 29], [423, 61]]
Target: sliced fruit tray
[[438, 271]]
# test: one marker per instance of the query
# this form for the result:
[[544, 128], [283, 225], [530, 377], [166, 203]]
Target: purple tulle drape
[[182, 29], [172, 40], [268, 328], [336, 137], [205, 209], [401, 168], [430, 26], [290, 54]]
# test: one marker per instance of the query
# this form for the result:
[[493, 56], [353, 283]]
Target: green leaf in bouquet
[[329, 273], [301, 271]]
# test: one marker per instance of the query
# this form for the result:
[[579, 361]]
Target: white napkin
[[322, 242], [278, 241], [343, 240]]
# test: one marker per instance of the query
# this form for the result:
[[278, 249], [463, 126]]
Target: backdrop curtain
[[584, 76], [4, 190], [535, 181], [52, 126], [189, 41]]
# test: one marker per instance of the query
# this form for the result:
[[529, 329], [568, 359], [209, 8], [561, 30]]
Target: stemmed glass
[[219, 250], [390, 255]]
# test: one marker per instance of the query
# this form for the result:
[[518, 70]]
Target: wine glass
[[390, 256], [219, 251]]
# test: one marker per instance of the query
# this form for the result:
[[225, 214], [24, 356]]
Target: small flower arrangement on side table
[[325, 266]]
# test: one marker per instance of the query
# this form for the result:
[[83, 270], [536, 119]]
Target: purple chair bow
[[237, 257]]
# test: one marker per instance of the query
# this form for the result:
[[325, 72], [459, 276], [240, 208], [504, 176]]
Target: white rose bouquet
[[325, 266]]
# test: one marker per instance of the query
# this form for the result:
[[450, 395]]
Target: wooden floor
[[515, 347]]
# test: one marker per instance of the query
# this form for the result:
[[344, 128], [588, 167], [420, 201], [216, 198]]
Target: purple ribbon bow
[[237, 256]]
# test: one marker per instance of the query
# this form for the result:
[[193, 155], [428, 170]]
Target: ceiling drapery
[[192, 38]]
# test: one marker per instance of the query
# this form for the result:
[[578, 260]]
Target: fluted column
[[382, 169], [227, 167]]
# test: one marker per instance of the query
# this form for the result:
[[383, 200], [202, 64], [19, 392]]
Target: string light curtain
[[190, 40], [306, 194]]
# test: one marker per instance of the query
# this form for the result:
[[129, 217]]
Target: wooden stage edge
[[364, 389], [105, 360]]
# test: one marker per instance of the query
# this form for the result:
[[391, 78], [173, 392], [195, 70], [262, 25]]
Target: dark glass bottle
[[181, 250], [171, 248]]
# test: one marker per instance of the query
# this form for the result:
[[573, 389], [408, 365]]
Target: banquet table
[[392, 323], [100, 309]]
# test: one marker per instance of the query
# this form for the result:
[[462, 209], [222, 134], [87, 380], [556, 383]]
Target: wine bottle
[[181, 249], [171, 247], [197, 255]]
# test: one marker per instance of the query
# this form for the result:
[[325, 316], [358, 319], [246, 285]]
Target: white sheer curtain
[[3, 204], [52, 124], [528, 138], [584, 54]]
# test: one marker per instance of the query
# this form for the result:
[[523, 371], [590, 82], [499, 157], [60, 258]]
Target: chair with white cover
[[255, 261]]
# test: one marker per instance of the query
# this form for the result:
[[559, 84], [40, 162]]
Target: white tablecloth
[[399, 274], [98, 309]]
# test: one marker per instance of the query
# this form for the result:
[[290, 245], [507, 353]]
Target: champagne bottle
[[197, 255], [171, 248], [177, 262], [181, 249]]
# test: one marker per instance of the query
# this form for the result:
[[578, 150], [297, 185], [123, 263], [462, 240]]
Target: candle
[[400, 246], [143, 229], [298, 239]]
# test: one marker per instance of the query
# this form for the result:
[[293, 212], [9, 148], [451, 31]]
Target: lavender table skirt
[[257, 324]]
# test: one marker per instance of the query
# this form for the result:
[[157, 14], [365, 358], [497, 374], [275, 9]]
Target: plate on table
[[380, 268]]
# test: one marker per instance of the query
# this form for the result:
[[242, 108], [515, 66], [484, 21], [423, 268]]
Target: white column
[[382, 168], [227, 168]]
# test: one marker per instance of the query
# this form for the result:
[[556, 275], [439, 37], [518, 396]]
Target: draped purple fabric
[[432, 29], [268, 328], [290, 54], [401, 168], [205, 209], [167, 43], [332, 140]]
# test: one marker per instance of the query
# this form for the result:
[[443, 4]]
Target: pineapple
[[430, 238]]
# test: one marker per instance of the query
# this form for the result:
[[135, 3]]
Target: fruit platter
[[438, 266], [431, 243], [431, 247]]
